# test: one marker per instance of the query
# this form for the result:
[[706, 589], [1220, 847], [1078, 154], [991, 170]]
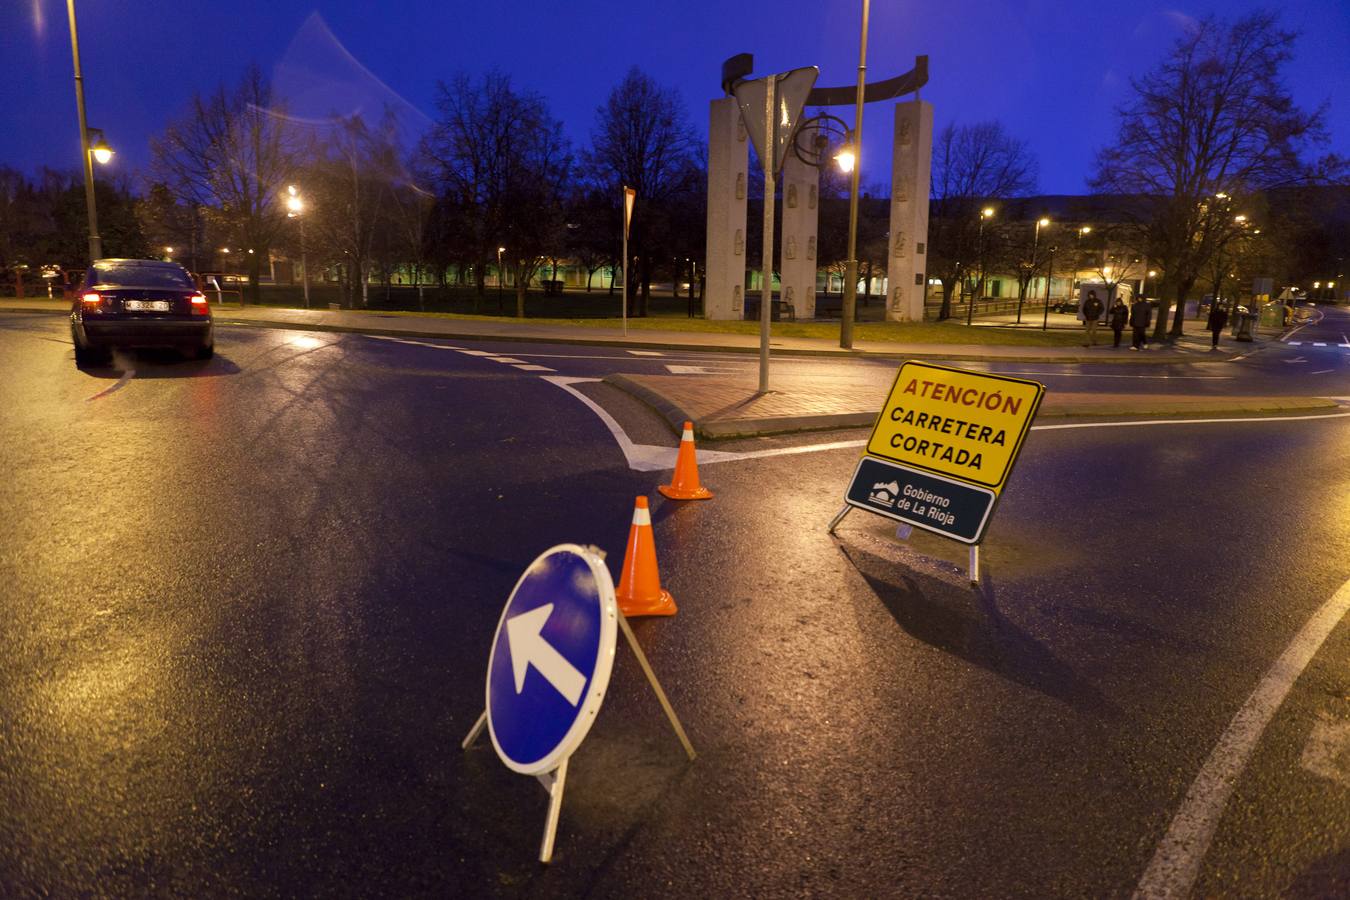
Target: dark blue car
[[133, 303]]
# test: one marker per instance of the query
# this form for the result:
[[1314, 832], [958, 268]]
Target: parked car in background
[[135, 303]]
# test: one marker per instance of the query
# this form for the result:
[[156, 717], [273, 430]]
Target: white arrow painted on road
[[528, 648]]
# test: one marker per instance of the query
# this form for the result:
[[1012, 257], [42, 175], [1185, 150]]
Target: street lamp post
[[850, 304], [296, 207], [985, 214], [1035, 246], [500, 251], [104, 152], [1049, 275]]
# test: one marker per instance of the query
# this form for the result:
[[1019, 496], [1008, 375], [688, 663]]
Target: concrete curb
[[675, 415]]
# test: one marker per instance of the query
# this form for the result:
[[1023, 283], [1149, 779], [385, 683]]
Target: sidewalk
[[1191, 348]]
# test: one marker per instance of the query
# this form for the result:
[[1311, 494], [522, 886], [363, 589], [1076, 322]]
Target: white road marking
[[1319, 343], [1294, 343], [529, 367], [1297, 329], [1176, 863], [1299, 359], [477, 353], [1321, 371], [121, 383], [641, 457], [505, 359], [1190, 421], [629, 359], [1327, 753], [650, 458], [644, 352], [382, 337]]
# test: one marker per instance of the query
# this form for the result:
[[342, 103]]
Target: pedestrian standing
[[1218, 318], [1092, 314], [1141, 316], [1119, 315]]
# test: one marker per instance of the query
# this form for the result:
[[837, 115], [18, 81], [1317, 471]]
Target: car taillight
[[92, 298], [199, 306]]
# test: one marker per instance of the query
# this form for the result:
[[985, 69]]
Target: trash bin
[[1246, 326]]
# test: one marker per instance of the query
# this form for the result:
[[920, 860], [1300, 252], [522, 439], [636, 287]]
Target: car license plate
[[145, 305]]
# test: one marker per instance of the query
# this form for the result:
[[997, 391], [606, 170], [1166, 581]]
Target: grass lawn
[[899, 332], [597, 310]]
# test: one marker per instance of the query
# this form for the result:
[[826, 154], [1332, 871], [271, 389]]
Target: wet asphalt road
[[248, 606]]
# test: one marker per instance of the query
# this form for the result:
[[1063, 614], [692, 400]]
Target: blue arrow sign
[[551, 659]]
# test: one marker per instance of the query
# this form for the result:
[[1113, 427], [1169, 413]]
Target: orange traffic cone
[[639, 589], [685, 486]]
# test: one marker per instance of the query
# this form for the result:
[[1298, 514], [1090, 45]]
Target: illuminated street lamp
[[846, 158], [99, 149], [296, 206]]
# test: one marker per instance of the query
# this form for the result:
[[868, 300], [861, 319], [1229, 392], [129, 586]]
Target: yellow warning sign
[[964, 425]]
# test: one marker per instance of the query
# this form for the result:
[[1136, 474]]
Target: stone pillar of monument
[[797, 265], [728, 165], [911, 172]]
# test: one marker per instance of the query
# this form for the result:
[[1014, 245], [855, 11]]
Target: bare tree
[[351, 190], [972, 166], [593, 225], [410, 208], [1213, 121], [502, 164], [233, 152], [169, 222], [642, 139]]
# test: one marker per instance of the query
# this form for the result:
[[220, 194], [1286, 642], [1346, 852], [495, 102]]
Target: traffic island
[[723, 408]]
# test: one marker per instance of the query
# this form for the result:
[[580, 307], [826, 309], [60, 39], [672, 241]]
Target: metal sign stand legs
[[834, 523], [656, 686], [553, 783], [555, 780], [973, 568]]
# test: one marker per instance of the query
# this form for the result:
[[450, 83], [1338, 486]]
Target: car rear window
[[132, 275]]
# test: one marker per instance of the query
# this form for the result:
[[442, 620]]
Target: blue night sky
[[1052, 71]]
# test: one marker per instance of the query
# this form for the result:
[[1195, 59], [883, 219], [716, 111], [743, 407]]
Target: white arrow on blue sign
[[551, 659]]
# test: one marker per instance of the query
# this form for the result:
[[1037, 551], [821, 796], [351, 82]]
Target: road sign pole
[[656, 686], [766, 292], [625, 278], [974, 563], [834, 523], [850, 305]]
